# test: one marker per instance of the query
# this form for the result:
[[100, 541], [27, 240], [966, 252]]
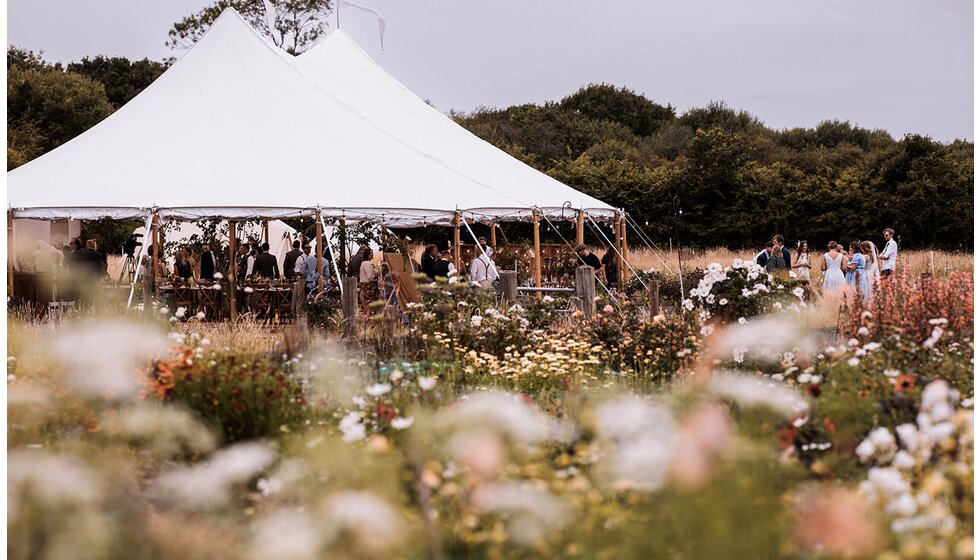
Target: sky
[[905, 66]]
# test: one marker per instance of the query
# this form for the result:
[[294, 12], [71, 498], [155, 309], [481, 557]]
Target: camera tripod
[[129, 266]]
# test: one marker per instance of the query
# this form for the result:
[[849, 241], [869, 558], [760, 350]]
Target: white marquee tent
[[238, 129]]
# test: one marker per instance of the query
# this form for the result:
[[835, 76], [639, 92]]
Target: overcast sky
[[901, 65]]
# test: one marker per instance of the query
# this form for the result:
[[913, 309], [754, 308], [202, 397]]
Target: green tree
[[123, 79], [607, 102], [47, 107], [298, 25]]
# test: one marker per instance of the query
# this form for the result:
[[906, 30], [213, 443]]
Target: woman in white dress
[[833, 267], [873, 266], [802, 265]]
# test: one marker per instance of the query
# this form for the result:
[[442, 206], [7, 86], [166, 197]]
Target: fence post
[[508, 286], [585, 289], [654, 299]]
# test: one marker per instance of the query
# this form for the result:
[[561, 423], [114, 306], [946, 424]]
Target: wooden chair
[[184, 297], [209, 301]]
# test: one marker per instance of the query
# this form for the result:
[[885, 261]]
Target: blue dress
[[859, 277]]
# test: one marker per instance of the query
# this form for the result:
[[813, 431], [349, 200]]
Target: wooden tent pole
[[156, 252], [623, 274], [342, 239], [265, 231], [456, 251], [319, 252], [10, 253], [493, 235], [617, 221], [232, 272], [537, 252], [580, 228]]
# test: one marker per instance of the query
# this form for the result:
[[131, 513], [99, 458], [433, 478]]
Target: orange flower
[[905, 383], [784, 436]]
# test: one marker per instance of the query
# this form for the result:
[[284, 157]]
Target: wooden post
[[508, 286], [349, 300], [456, 250], [537, 252], [493, 235], [623, 270], [580, 228], [585, 289], [342, 239], [156, 252], [233, 271], [618, 244], [319, 252], [654, 299], [10, 253], [265, 231], [384, 239]]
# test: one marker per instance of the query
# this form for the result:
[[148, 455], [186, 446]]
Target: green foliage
[[606, 102], [123, 79], [110, 234], [46, 106], [299, 23]]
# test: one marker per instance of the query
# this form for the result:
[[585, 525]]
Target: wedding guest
[[430, 256], [610, 268], [763, 257], [833, 267], [776, 259], [786, 258], [483, 270], [873, 264], [289, 261], [266, 265], [183, 266], [243, 265], [588, 258], [889, 255], [858, 275], [207, 263], [444, 267], [354, 266], [367, 282], [802, 264]]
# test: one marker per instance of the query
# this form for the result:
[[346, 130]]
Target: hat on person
[[580, 247]]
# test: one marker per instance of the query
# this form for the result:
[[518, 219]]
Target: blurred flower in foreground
[[286, 536], [374, 525], [530, 512], [642, 435], [705, 433], [500, 411], [751, 390], [166, 430], [103, 358], [208, 485], [836, 523]]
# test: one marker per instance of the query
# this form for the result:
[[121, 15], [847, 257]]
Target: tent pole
[[580, 228], [156, 252], [10, 253], [456, 251], [617, 222], [537, 252], [232, 271], [265, 231], [319, 252], [342, 239], [625, 251], [493, 235]]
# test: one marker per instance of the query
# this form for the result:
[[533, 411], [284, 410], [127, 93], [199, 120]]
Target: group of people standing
[[858, 266]]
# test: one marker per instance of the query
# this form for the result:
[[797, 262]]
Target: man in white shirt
[[483, 270], [889, 255]]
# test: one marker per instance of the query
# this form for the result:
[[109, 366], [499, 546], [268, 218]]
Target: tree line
[[737, 180]]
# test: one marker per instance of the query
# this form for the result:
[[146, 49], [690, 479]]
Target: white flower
[[547, 299], [248, 290], [427, 383], [865, 450], [866, 314], [402, 423], [872, 346], [181, 311], [723, 301], [940, 321], [903, 460], [863, 331], [396, 375], [377, 389], [853, 342], [268, 486], [499, 411], [476, 321], [164, 311], [750, 391], [200, 315], [798, 292], [352, 428], [218, 276], [742, 320], [286, 535], [891, 372], [531, 513], [208, 484], [904, 506], [216, 287], [11, 378], [359, 401], [374, 525], [854, 362], [104, 357]]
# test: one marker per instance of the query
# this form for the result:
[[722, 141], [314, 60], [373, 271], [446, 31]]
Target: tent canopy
[[238, 129]]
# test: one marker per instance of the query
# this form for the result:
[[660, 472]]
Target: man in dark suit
[[266, 265], [779, 245], [289, 261]]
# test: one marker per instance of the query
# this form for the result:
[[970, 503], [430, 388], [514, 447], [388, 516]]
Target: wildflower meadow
[[755, 419]]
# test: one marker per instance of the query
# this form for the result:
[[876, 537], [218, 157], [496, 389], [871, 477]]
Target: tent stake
[[232, 271], [537, 253], [319, 252]]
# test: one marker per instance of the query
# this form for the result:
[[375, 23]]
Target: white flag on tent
[[381, 19]]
